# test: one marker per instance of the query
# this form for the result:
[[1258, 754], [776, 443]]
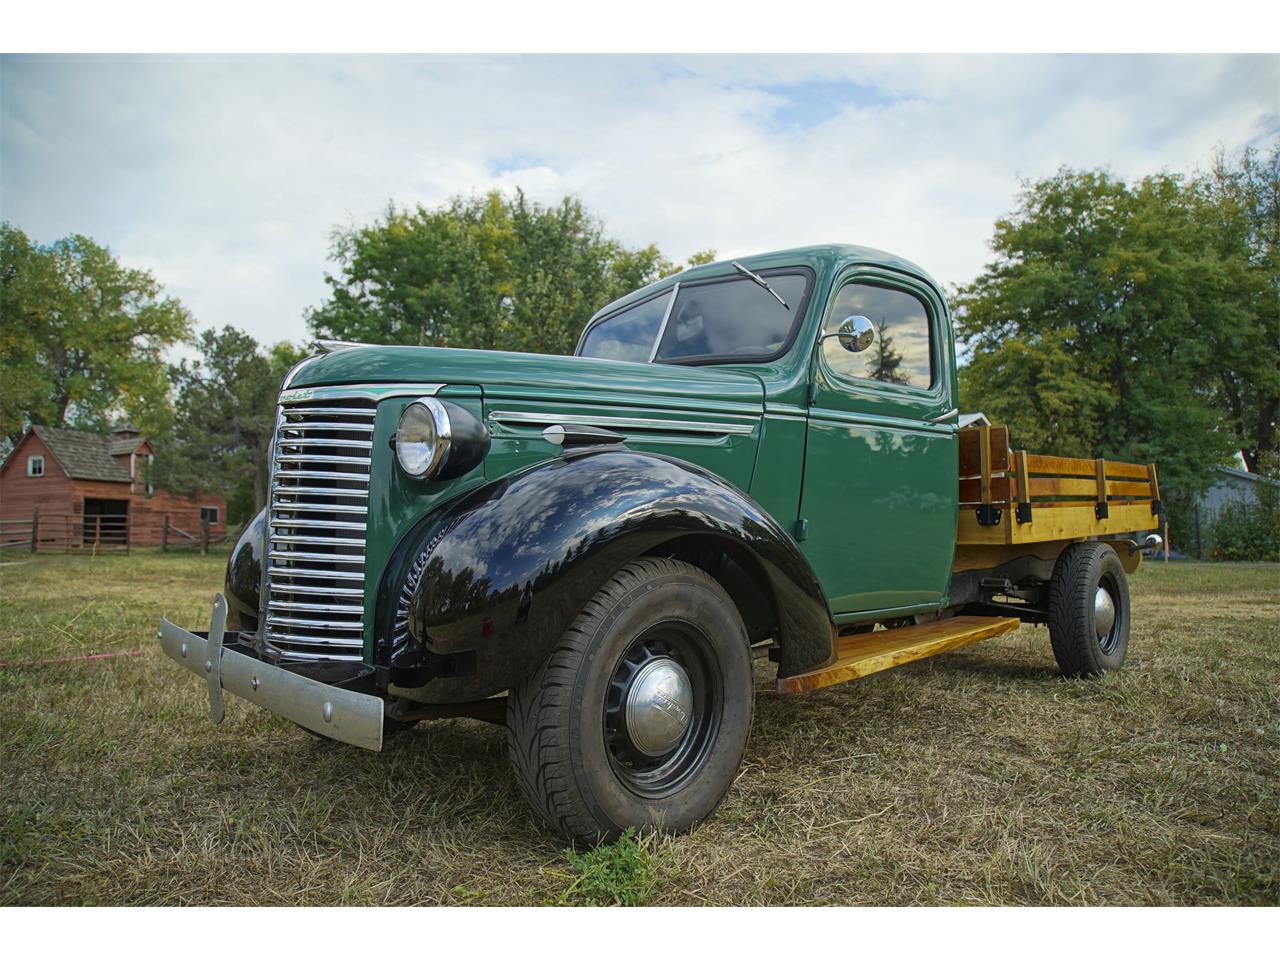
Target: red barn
[[89, 488]]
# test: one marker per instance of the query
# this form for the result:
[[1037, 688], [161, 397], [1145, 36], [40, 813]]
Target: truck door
[[880, 492]]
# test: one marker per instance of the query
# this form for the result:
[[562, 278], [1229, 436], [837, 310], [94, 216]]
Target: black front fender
[[502, 572]]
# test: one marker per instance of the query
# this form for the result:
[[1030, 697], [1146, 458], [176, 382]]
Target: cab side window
[[901, 352], [628, 334]]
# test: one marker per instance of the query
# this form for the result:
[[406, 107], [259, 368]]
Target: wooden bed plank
[[1074, 521], [970, 451]]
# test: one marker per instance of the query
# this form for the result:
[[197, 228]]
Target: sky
[[225, 176]]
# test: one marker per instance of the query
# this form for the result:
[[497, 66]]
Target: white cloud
[[226, 175]]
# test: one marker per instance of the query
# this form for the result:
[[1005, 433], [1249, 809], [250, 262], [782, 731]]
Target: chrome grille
[[316, 531]]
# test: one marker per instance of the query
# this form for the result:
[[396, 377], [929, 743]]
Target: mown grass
[[976, 777]]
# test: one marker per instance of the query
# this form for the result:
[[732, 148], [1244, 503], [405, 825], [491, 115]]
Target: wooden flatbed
[[1009, 498]]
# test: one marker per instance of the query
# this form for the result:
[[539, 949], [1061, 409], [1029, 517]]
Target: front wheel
[[1089, 610], [641, 714]]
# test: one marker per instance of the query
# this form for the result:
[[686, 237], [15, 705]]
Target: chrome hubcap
[[1104, 612], [659, 706]]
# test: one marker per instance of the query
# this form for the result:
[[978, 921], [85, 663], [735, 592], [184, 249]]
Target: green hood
[[502, 374]]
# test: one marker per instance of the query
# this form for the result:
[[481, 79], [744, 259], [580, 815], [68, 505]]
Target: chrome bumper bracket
[[334, 712], [213, 658]]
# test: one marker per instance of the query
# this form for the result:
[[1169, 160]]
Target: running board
[[860, 654]]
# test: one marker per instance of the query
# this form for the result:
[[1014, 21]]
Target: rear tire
[[1089, 612], [641, 714]]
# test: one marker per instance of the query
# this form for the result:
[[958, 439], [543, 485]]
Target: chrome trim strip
[[352, 626], [345, 608], [304, 574], [349, 492], [666, 315], [520, 418], [317, 524], [826, 415], [327, 475], [350, 427], [322, 541], [364, 391], [330, 557], [302, 506], [328, 590]]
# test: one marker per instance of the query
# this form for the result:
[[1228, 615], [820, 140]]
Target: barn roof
[[84, 456], [125, 445]]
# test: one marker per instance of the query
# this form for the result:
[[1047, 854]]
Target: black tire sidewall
[[1109, 563], [1082, 568], [663, 598]]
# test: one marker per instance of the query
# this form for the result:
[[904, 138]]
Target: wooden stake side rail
[[861, 654], [1008, 498]]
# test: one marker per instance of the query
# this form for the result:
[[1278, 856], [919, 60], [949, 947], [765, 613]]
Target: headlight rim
[[444, 437]]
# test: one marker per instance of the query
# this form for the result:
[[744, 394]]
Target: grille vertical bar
[[318, 502]]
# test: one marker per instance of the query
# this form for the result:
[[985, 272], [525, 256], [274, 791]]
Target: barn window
[[209, 515], [35, 466]]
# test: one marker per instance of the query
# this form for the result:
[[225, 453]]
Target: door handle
[[943, 416]]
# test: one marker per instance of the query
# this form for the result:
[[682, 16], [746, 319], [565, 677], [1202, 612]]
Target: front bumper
[[346, 715]]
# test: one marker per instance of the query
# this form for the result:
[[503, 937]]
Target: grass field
[[979, 777]]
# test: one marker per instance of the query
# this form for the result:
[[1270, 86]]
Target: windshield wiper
[[760, 280]]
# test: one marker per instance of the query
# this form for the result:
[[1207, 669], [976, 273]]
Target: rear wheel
[[641, 714], [1089, 610]]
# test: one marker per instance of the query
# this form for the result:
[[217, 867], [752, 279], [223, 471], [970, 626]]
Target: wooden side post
[[164, 535], [1157, 508], [204, 536], [35, 528], [988, 515]]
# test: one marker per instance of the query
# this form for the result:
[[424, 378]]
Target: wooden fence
[[93, 534]]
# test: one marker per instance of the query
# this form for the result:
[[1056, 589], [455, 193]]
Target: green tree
[[82, 337], [490, 272], [886, 359], [1244, 197], [225, 409], [1098, 327]]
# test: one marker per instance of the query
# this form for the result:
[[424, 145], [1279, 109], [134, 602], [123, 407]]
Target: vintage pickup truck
[[749, 458]]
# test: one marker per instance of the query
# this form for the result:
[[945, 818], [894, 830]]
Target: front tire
[[1089, 613], [641, 714]]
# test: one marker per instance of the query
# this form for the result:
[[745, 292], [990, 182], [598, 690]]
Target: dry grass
[[976, 777]]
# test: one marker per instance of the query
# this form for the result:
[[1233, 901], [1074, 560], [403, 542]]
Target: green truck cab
[[747, 459]]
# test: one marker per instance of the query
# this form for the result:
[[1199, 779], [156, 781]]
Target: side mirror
[[854, 333]]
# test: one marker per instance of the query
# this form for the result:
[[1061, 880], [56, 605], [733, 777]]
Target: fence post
[[204, 536], [128, 531], [97, 533], [35, 528], [164, 535]]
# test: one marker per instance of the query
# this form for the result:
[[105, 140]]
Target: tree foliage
[[82, 337], [225, 408], [1132, 320], [490, 272]]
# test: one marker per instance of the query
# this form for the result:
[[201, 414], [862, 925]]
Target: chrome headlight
[[438, 440], [423, 436]]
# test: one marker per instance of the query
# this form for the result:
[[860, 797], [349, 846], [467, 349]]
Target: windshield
[[712, 321]]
